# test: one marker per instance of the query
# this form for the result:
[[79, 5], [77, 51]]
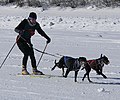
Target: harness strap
[[100, 62], [66, 59], [76, 64], [91, 61]]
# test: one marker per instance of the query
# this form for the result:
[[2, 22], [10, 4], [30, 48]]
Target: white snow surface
[[74, 32]]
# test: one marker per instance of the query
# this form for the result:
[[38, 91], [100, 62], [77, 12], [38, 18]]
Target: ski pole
[[9, 52], [42, 54]]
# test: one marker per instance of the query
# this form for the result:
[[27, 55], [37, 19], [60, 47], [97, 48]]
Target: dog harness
[[91, 61], [98, 63], [76, 64]]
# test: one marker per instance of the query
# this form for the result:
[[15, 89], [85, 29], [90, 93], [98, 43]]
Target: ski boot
[[24, 71], [37, 72]]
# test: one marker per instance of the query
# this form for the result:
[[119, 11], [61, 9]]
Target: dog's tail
[[54, 66]]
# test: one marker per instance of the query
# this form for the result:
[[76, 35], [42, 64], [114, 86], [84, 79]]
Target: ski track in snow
[[86, 33]]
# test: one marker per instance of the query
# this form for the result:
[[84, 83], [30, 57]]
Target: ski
[[34, 76], [39, 76]]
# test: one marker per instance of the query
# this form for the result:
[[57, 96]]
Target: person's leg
[[24, 61], [25, 50], [32, 57], [24, 65], [33, 63]]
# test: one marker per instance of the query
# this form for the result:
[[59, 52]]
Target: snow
[[74, 32]]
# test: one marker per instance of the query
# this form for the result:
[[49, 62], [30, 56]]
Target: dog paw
[[65, 76], [91, 81], [52, 69], [105, 77], [75, 80], [82, 79]]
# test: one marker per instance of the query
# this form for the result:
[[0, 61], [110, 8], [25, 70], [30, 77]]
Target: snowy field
[[78, 32]]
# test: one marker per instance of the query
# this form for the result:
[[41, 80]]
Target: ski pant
[[27, 51]]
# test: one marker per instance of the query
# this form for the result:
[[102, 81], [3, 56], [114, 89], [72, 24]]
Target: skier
[[26, 30]]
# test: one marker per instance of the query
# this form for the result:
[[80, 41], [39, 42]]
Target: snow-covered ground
[[78, 32]]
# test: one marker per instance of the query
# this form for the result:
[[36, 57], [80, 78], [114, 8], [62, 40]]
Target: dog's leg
[[76, 73], [53, 68], [101, 70], [88, 77], [63, 71], [100, 73], [103, 75], [67, 72], [88, 73], [88, 69], [84, 76]]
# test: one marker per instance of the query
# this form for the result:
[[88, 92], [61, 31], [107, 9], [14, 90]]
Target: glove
[[48, 40]]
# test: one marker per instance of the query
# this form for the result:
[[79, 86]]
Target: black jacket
[[26, 30]]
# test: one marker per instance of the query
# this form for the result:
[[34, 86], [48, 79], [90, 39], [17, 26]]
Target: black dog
[[72, 64], [97, 65]]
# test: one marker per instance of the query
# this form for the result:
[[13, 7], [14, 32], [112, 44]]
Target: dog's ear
[[101, 56]]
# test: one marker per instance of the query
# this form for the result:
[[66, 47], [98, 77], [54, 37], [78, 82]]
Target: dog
[[72, 64], [97, 65]]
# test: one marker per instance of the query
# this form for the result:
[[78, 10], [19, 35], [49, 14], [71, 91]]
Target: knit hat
[[33, 15]]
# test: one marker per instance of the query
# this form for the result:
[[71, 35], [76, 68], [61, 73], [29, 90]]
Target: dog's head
[[105, 59], [82, 61]]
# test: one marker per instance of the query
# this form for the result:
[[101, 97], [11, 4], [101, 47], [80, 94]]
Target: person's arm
[[20, 28], [42, 33]]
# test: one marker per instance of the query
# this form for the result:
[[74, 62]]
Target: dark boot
[[37, 72], [24, 70]]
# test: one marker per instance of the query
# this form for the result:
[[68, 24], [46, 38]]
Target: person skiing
[[26, 30]]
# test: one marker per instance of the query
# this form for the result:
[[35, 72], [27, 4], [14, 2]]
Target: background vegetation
[[63, 3]]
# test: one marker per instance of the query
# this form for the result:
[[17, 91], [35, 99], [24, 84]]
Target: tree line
[[63, 3]]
